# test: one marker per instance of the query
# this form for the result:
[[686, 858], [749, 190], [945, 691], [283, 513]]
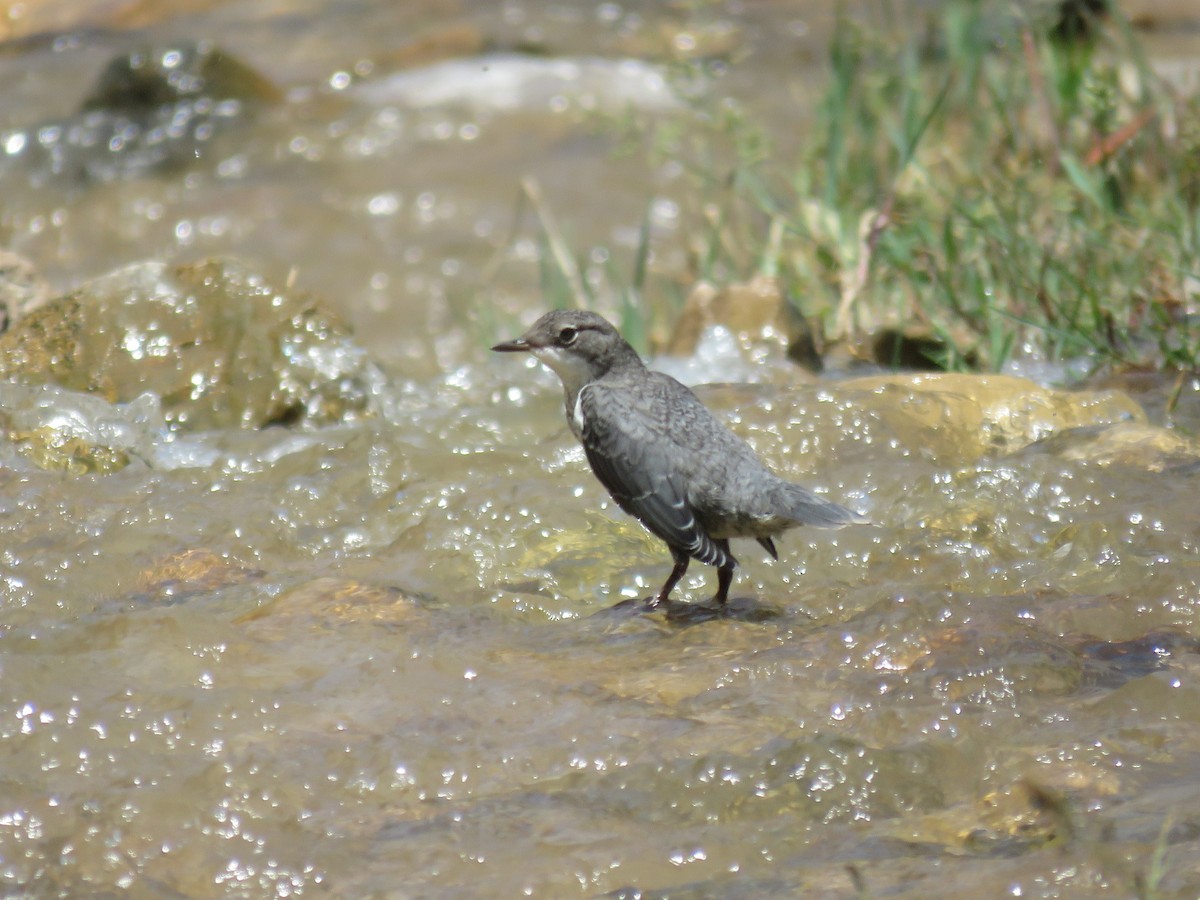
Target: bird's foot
[[675, 610]]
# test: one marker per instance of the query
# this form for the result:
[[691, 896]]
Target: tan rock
[[56, 451], [757, 311], [1133, 444], [191, 572], [970, 415], [328, 602], [215, 341]]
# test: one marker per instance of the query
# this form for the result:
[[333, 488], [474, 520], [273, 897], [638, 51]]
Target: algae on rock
[[219, 344]]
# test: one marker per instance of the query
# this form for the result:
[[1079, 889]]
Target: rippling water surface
[[392, 658]]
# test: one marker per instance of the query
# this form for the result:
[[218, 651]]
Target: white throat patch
[[570, 368]]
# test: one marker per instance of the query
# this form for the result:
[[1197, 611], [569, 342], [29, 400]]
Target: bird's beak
[[516, 346]]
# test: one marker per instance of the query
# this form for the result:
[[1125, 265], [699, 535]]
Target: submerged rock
[[1019, 817], [152, 108], [329, 602], [1132, 444], [61, 430], [970, 415], [147, 80], [218, 344], [189, 573]]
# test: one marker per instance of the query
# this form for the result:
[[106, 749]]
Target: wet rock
[[967, 416], [152, 109], [1110, 664], [21, 288], [758, 311], [215, 341], [58, 450], [1020, 816], [981, 667], [145, 81], [327, 603], [191, 572], [61, 430], [1132, 444]]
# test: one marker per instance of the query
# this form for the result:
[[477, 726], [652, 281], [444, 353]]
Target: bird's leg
[[724, 580], [724, 575], [681, 564]]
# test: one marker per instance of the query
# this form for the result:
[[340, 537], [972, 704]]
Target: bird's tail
[[806, 508]]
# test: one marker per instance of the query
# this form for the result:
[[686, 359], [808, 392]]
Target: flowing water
[[400, 655]]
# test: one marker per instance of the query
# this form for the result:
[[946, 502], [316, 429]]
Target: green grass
[[1004, 191]]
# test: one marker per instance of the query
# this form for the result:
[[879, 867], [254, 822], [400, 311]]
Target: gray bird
[[663, 456]]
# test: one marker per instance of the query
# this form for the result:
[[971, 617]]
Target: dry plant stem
[[558, 246], [1106, 146], [862, 271]]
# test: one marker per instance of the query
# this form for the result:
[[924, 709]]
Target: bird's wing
[[629, 451]]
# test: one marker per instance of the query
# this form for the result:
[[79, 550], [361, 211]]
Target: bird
[[662, 455]]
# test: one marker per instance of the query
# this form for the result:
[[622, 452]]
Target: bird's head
[[579, 346]]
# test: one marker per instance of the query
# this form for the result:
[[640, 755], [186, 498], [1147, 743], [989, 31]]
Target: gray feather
[[626, 451]]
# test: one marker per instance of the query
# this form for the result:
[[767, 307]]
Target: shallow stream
[[391, 656]]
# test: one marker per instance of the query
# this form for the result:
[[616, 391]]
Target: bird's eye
[[567, 336]]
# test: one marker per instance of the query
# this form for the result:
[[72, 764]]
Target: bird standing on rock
[[663, 456]]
